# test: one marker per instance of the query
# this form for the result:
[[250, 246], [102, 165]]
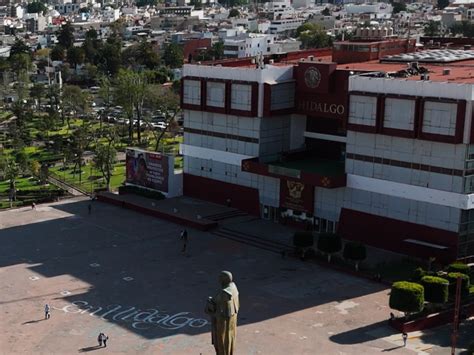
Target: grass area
[[313, 165], [90, 178], [28, 190]]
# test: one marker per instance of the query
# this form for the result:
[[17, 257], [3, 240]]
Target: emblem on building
[[295, 189], [312, 77]]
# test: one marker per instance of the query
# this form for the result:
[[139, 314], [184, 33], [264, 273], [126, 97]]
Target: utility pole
[[457, 306]]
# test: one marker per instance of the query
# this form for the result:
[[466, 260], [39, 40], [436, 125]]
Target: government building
[[379, 151]]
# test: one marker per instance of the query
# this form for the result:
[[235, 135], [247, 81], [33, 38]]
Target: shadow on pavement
[[90, 348], [139, 280], [33, 321], [391, 349], [363, 334]]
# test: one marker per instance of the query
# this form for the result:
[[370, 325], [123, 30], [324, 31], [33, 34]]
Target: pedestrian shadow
[[90, 348], [394, 348], [33, 321]]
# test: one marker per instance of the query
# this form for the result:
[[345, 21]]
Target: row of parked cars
[[116, 116]]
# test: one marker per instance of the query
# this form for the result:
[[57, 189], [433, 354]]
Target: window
[[399, 114], [363, 110], [440, 118], [241, 97], [282, 96], [215, 94], [192, 92]]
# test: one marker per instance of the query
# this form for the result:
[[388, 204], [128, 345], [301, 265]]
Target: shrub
[[436, 289], [470, 349], [418, 274], [407, 297], [465, 283], [329, 244], [303, 239], [355, 251], [459, 267]]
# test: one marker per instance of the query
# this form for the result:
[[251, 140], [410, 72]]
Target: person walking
[[33, 206], [89, 208], [405, 337], [104, 339], [184, 238], [47, 315], [100, 339]]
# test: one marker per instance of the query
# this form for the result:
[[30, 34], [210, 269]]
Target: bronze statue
[[223, 309]]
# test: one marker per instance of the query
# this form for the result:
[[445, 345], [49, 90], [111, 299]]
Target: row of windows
[[241, 94]]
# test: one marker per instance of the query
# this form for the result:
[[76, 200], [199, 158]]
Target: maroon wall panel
[[242, 197], [388, 233]]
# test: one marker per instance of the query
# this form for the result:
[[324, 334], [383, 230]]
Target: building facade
[[381, 159]]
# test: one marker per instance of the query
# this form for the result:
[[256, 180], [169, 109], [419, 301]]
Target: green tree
[[407, 297], [22, 161], [109, 56], [10, 172], [442, 4], [36, 7], [91, 45], [166, 101], [355, 252], [173, 56], [436, 289], [326, 12], [465, 283], [313, 35], [66, 36], [74, 101], [234, 13], [398, 7], [106, 157], [19, 47], [57, 53], [37, 92], [20, 62], [80, 141], [75, 56], [329, 244], [432, 29], [140, 55], [105, 93]]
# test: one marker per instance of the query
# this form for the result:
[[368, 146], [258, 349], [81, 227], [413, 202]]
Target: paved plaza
[[122, 273]]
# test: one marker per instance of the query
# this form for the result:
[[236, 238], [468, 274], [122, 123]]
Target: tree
[[173, 56], [66, 36], [326, 12], [74, 101], [91, 45], [109, 56], [140, 55], [398, 7], [329, 244], [303, 239], [167, 101], [22, 161], [465, 283], [57, 53], [355, 252], [105, 93], [436, 289], [459, 267], [36, 7], [442, 4], [20, 62], [313, 35], [432, 29], [19, 47], [234, 13], [37, 92], [407, 297], [10, 172], [106, 157], [75, 56], [79, 143]]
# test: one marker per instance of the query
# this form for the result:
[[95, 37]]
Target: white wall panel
[[241, 97], [440, 118], [215, 94], [192, 92], [362, 110], [399, 114]]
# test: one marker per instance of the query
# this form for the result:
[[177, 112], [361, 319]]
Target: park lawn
[[90, 178]]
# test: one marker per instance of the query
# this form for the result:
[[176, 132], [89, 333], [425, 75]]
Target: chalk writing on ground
[[139, 319]]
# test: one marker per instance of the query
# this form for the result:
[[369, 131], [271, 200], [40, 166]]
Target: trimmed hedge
[[436, 289], [329, 243], [418, 274], [303, 239], [459, 267], [354, 251], [408, 297], [465, 283]]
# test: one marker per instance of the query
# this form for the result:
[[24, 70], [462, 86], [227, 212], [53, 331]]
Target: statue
[[223, 309]]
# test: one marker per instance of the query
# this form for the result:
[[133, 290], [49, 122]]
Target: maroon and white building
[[353, 148]]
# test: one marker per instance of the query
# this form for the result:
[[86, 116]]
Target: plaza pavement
[[122, 273]]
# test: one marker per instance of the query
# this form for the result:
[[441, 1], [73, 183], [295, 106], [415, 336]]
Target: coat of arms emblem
[[295, 189], [312, 77]]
